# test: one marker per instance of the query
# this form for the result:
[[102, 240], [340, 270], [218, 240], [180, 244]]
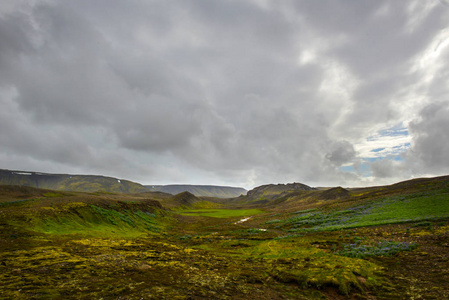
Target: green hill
[[200, 190], [186, 200], [270, 193], [280, 242], [65, 182]]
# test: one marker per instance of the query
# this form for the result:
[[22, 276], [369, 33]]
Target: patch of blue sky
[[349, 168], [363, 169], [397, 158], [371, 159], [394, 131], [390, 157], [404, 146], [388, 142]]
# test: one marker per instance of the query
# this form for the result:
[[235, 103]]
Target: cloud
[[342, 152], [431, 140], [388, 168], [235, 92]]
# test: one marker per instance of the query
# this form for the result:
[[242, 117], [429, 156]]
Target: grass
[[383, 248], [406, 208], [76, 218], [16, 202], [221, 213], [391, 210], [90, 248], [53, 195], [295, 260]]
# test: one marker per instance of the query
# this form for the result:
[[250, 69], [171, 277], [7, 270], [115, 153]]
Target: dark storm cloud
[[234, 92]]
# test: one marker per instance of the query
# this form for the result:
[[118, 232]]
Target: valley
[[276, 242]]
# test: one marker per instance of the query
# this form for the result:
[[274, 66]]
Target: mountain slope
[[334, 193], [303, 244], [187, 200], [200, 190], [267, 193], [65, 182]]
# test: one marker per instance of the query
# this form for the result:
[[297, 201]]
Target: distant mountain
[[65, 182], [266, 193], [200, 190], [274, 190], [186, 200]]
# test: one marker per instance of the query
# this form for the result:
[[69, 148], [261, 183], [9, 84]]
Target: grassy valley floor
[[84, 246]]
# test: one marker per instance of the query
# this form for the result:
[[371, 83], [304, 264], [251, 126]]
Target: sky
[[236, 92]]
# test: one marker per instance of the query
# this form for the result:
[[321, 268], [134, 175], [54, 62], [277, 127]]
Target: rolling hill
[[278, 242], [268, 193], [66, 182], [200, 190]]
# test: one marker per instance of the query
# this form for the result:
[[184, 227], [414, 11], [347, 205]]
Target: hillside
[[385, 242], [266, 194], [186, 200], [200, 190], [65, 182]]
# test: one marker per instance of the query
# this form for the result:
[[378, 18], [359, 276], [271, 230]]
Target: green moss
[[383, 248], [53, 195], [221, 213], [398, 209], [102, 248], [94, 220]]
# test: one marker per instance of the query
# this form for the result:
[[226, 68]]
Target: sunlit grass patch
[[221, 213], [94, 220], [391, 210], [407, 208]]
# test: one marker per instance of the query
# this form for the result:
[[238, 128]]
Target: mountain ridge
[[69, 182], [200, 190], [266, 193]]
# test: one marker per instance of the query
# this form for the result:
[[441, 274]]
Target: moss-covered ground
[[220, 213], [83, 246]]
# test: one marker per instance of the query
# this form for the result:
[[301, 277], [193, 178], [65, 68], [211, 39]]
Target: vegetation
[[397, 209], [200, 190], [221, 213], [64, 182], [383, 248], [377, 243]]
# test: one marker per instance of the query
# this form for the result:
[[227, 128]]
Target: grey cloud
[[384, 168], [341, 152], [158, 88], [380, 52], [431, 140], [158, 123], [379, 35]]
